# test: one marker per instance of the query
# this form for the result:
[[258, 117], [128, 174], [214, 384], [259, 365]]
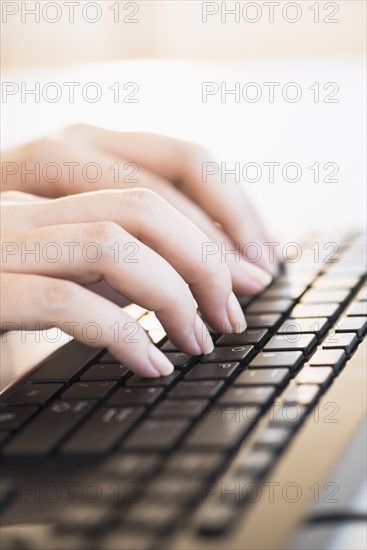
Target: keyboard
[[148, 452]]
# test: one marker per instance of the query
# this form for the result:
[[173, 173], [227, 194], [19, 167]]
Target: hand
[[135, 241], [171, 168]]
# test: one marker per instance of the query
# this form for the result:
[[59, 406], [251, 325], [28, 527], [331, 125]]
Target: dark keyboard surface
[[168, 437]]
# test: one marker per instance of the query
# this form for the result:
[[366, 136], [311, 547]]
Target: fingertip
[[159, 363], [203, 338], [235, 314], [251, 279]]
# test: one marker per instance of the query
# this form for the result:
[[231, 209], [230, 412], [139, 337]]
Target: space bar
[[66, 364]]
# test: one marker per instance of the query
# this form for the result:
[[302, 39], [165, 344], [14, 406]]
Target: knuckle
[[193, 153], [104, 233], [40, 148], [140, 198], [217, 271], [76, 129]]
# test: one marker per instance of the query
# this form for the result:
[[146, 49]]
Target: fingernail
[[235, 314], [203, 337], [159, 362], [259, 277]]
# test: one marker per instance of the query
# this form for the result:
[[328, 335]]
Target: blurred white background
[[62, 32]]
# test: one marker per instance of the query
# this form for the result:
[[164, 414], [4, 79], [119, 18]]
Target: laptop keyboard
[[163, 441]]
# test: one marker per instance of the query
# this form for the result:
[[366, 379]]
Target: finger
[[246, 280], [95, 257], [34, 302], [184, 164], [174, 238], [8, 197]]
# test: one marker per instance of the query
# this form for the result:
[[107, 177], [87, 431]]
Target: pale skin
[[166, 219]]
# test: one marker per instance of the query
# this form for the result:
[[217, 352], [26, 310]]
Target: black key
[[213, 371], [66, 364], [352, 268], [322, 376], [185, 408], [168, 346], [288, 415], [284, 289], [102, 431], [303, 394], [180, 360], [158, 434], [182, 492], [226, 354], [335, 358], [329, 282], [12, 417], [127, 540], [31, 394], [274, 437], [110, 491], [223, 429], [256, 395], [280, 305], [244, 301], [358, 309], [190, 464], [353, 324], [135, 396], [88, 390], [316, 310], [265, 320], [149, 517], [88, 518], [217, 519], [107, 358], [34, 538], [263, 377], [254, 337], [8, 489], [4, 436], [239, 489], [163, 381], [362, 295], [318, 296], [301, 276], [277, 359], [313, 325], [347, 341], [256, 462], [107, 371], [206, 389], [43, 434], [132, 467], [300, 342]]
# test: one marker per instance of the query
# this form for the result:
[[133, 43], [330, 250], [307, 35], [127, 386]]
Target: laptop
[[259, 445]]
